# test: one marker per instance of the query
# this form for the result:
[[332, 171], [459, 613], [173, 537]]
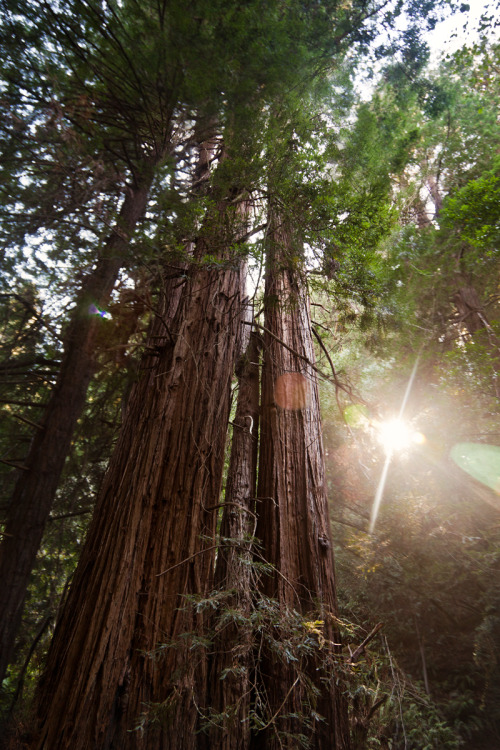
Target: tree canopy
[[172, 179]]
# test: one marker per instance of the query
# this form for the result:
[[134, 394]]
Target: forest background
[[146, 150]]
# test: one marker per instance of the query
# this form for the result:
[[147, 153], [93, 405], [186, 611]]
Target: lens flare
[[480, 461], [93, 310], [292, 391]]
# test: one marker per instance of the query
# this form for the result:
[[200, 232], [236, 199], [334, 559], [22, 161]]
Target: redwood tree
[[35, 489], [155, 519], [152, 539], [102, 102], [293, 525], [230, 689]]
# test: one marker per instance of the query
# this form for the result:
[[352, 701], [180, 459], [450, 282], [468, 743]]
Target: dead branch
[[360, 649]]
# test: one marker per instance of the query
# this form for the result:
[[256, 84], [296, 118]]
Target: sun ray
[[389, 450], [380, 491]]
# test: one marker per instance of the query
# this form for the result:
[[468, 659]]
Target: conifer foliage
[[148, 143]]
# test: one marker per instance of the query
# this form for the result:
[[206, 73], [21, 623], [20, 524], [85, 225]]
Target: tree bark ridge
[[123, 671], [293, 525]]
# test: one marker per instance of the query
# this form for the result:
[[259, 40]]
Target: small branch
[[351, 524], [320, 325], [422, 656], [279, 709], [200, 552], [219, 546], [35, 313], [21, 403], [26, 363], [326, 353], [305, 359], [187, 559], [28, 421], [336, 381], [233, 505], [15, 465], [20, 684], [249, 234], [70, 515], [375, 707], [357, 652]]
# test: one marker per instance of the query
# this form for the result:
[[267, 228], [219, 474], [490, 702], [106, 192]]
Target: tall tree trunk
[[230, 679], [435, 193], [36, 486], [109, 683], [293, 524], [473, 316]]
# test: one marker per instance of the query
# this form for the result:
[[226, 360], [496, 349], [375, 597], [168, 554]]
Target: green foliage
[[473, 211], [94, 91], [430, 570], [387, 708], [29, 352], [288, 636]]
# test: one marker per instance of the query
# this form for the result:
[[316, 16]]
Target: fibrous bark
[[293, 524], [123, 671], [230, 679]]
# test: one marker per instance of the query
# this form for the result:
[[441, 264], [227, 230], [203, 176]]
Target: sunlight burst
[[394, 435]]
